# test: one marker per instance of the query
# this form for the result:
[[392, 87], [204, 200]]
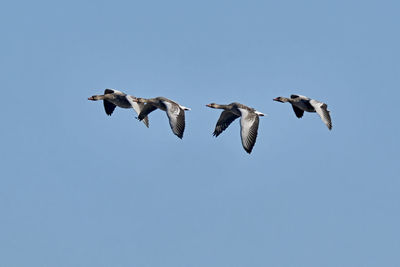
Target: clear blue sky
[[79, 188]]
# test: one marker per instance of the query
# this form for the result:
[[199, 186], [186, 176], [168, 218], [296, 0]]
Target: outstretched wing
[[146, 110], [224, 121], [249, 128], [109, 91], [323, 112], [302, 99], [176, 117], [138, 107], [299, 96], [299, 112], [108, 106]]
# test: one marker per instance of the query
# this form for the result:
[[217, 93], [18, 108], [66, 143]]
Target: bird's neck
[[143, 100], [98, 97], [223, 106]]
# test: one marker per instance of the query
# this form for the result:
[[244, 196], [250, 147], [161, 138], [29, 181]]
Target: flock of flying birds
[[249, 117]]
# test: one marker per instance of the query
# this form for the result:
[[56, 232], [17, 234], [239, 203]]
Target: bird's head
[[211, 105], [139, 100], [280, 99]]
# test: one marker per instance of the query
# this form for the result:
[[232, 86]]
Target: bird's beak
[[277, 99], [208, 105], [91, 98]]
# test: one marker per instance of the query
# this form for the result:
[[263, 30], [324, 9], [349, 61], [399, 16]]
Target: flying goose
[[175, 112], [248, 122], [302, 103], [113, 98]]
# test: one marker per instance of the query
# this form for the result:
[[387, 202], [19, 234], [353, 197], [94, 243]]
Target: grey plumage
[[174, 111], [113, 98], [249, 122], [302, 103]]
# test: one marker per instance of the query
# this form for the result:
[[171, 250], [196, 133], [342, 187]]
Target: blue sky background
[[79, 188]]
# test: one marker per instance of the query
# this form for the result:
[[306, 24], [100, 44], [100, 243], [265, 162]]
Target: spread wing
[[299, 96], [108, 107], [249, 129], [299, 112], [138, 107], [224, 121], [176, 117], [109, 91], [146, 110], [113, 91], [323, 112]]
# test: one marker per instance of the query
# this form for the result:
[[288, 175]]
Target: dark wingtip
[[248, 150], [216, 134], [179, 135]]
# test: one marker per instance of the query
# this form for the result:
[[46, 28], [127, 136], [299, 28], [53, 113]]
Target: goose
[[175, 112], [248, 122], [113, 98], [302, 103]]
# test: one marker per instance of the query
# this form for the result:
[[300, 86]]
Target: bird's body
[[249, 121], [118, 100], [114, 98], [175, 112], [302, 103]]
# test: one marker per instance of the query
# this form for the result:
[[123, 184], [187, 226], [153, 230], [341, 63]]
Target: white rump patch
[[259, 113], [184, 108]]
